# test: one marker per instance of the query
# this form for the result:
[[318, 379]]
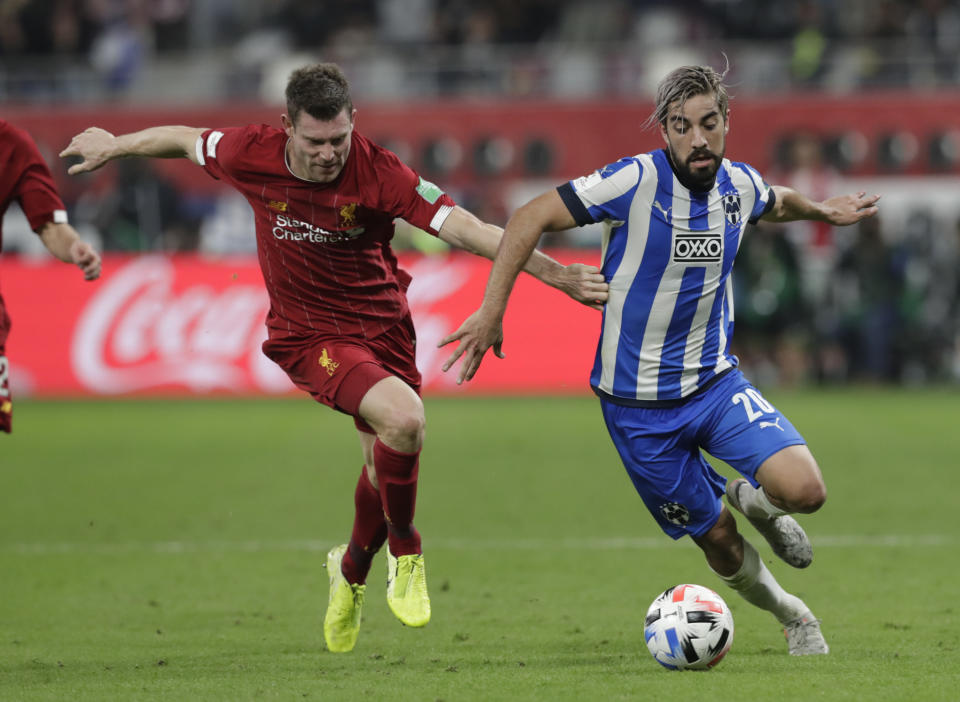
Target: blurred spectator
[[869, 290], [141, 211], [37, 27], [807, 63], [229, 226], [771, 320], [311, 24], [930, 298], [170, 24], [120, 45], [805, 169], [407, 22]]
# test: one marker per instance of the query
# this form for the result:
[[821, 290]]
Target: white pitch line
[[560, 544]]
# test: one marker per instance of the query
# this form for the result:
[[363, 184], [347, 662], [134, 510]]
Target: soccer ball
[[688, 627]]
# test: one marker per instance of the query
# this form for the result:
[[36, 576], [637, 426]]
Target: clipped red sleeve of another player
[[39, 199], [34, 189]]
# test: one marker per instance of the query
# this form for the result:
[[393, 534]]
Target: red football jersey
[[25, 177], [324, 248]]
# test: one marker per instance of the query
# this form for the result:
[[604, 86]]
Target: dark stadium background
[[495, 101]]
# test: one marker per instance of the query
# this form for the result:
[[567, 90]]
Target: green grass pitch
[[173, 550]]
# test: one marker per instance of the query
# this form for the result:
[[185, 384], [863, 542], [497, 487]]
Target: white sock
[[755, 503], [756, 585]]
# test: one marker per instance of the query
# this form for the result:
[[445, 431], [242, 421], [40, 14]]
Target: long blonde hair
[[686, 82]]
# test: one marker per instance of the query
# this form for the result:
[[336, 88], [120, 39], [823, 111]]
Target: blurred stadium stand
[[141, 50], [498, 99]]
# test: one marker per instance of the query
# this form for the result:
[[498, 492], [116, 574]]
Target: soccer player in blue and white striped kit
[[668, 385]]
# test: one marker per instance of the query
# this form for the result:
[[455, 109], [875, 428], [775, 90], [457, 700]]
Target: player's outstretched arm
[[841, 210], [65, 243], [484, 328], [583, 283], [97, 146]]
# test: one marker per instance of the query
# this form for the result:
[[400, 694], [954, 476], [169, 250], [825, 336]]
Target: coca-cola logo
[[140, 332], [145, 329], [434, 279]]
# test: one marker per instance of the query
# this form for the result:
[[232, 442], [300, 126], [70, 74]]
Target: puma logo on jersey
[[666, 212], [328, 363], [774, 423]]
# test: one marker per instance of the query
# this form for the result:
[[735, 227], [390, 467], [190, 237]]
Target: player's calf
[[785, 536]]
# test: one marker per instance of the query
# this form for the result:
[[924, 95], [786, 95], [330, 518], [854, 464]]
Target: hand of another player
[[585, 284], [93, 145], [850, 209], [87, 258], [476, 335]]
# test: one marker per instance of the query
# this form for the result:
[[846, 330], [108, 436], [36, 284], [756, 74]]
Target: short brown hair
[[686, 82], [320, 90]]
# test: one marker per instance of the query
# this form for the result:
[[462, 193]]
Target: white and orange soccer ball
[[688, 627]]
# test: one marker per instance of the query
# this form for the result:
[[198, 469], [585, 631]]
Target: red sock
[[397, 475], [369, 531]]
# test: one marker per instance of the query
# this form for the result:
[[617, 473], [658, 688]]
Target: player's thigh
[[328, 368], [678, 486], [742, 428], [395, 352], [339, 372]]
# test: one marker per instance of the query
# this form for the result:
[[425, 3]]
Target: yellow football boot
[[341, 625], [407, 589]]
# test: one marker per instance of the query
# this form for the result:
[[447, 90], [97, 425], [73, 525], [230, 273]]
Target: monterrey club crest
[[675, 513], [731, 208]]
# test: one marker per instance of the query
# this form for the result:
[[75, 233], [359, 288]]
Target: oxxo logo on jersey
[[697, 247]]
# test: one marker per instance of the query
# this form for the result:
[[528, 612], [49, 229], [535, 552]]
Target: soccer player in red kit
[[324, 198], [26, 178]]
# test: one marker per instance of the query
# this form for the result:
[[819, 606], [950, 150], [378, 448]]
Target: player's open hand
[[93, 145], [477, 334], [585, 284], [850, 209], [87, 258]]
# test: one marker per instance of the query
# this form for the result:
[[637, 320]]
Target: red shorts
[[6, 399], [338, 371]]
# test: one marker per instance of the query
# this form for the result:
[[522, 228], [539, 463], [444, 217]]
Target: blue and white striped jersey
[[667, 255]]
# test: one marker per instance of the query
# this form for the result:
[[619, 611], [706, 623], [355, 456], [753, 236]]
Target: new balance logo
[[774, 423], [697, 247]]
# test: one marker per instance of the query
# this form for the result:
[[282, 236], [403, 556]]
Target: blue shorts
[[660, 448]]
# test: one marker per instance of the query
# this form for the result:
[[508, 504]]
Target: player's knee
[[804, 497], [810, 497], [405, 428]]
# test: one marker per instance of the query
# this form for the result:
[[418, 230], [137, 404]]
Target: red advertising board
[[189, 325], [581, 135]]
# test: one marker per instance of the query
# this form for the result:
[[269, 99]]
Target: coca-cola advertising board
[[159, 325]]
